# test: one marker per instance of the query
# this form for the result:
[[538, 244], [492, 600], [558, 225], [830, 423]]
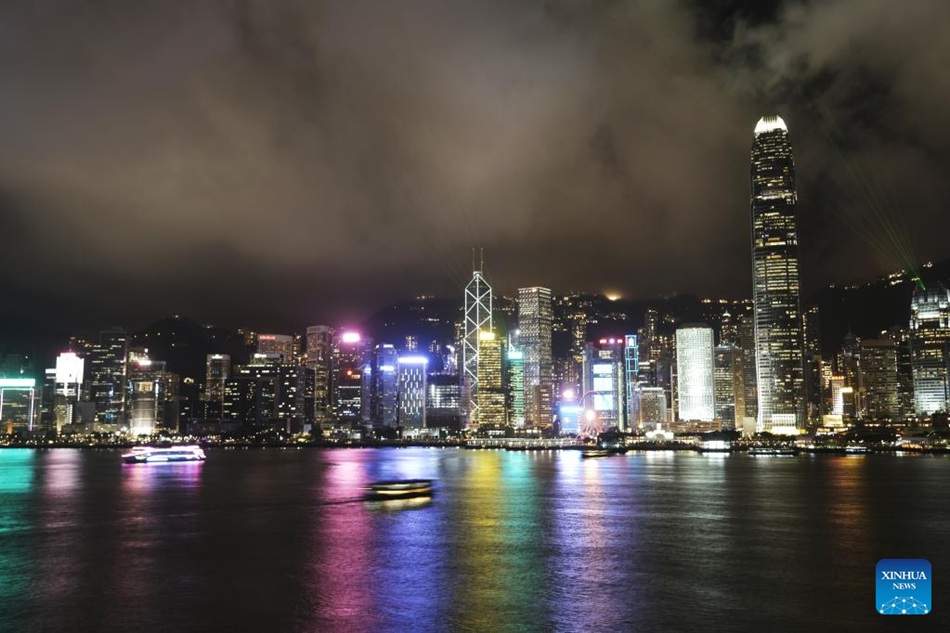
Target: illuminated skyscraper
[[217, 370], [68, 386], [516, 385], [106, 374], [349, 352], [318, 358], [694, 372], [776, 287], [535, 322], [727, 383], [930, 349], [379, 404], [478, 319], [412, 372], [491, 410], [879, 380], [282, 344], [604, 374]]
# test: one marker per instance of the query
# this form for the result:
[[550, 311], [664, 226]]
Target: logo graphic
[[903, 587]]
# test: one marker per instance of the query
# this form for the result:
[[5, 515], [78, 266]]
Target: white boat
[[857, 450], [772, 450], [399, 489], [150, 455]]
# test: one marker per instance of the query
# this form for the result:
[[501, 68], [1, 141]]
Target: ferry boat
[[856, 450], [151, 455], [772, 450], [399, 489], [596, 452]]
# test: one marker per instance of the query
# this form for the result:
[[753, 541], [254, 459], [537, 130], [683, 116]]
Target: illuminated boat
[[399, 489], [152, 455], [857, 450], [596, 452], [772, 450]]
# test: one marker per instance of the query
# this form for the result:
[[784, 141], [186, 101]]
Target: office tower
[[478, 319], [879, 380], [535, 321], [905, 372], [490, 405], [349, 352], [812, 376], [217, 370], [929, 342], [412, 372], [380, 403], [650, 348], [727, 385], [729, 330], [443, 401], [776, 286], [153, 402], [291, 406], [694, 373], [318, 358], [18, 406], [250, 393], [631, 379], [280, 344], [604, 389], [67, 388], [515, 385], [848, 364], [747, 343], [651, 406], [106, 375], [842, 399]]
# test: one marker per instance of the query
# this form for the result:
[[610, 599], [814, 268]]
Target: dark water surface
[[279, 540]]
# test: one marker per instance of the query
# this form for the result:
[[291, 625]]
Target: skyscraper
[[412, 392], [478, 319], [776, 290], [491, 410], [930, 349], [282, 344], [515, 385], [319, 357], [535, 323], [727, 383], [217, 371], [879, 379], [106, 374], [694, 372]]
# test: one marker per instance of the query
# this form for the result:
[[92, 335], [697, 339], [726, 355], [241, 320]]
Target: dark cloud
[[297, 161]]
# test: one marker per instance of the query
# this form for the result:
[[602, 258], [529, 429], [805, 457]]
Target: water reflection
[[282, 540], [343, 558], [17, 473]]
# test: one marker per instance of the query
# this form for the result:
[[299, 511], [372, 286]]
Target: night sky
[[299, 162]]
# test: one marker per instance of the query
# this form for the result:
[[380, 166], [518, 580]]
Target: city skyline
[[265, 162]]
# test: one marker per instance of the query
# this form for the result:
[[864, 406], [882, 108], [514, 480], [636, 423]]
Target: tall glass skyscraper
[[930, 349], [776, 289], [535, 327]]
